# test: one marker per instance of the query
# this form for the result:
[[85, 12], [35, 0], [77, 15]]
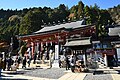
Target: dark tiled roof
[[72, 25], [114, 31]]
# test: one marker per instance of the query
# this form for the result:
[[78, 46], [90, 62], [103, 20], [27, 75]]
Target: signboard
[[94, 42]]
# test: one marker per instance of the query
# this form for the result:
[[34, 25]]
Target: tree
[[26, 24], [80, 10], [31, 22], [94, 13], [88, 15], [104, 20], [73, 13]]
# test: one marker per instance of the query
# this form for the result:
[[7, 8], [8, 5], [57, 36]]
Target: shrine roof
[[73, 25], [114, 31], [55, 28], [79, 42]]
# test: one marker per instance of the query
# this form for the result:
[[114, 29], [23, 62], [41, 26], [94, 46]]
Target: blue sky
[[20, 4]]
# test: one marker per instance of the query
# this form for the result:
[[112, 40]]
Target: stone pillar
[[56, 52], [56, 61]]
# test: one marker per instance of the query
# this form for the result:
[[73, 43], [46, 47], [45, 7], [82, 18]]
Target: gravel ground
[[53, 73], [98, 77]]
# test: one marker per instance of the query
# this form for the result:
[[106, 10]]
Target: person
[[1, 65], [4, 64], [45, 55], [67, 63], [72, 63], [60, 62], [29, 51], [50, 57], [9, 63], [28, 61], [78, 65], [14, 67], [24, 62], [35, 56], [41, 54], [64, 52], [18, 61], [38, 55]]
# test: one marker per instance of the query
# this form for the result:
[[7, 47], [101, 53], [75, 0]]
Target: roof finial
[[43, 21], [58, 22], [69, 20], [49, 23], [63, 20], [53, 22]]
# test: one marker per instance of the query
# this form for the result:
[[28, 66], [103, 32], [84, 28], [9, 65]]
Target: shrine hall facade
[[58, 34], [75, 35]]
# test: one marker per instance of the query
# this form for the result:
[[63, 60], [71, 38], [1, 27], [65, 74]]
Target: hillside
[[115, 13], [27, 21]]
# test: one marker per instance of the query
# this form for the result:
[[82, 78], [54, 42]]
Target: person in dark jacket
[[4, 64], [19, 60], [1, 65], [35, 56], [67, 63], [24, 62], [9, 63]]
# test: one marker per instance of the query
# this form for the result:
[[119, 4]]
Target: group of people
[[70, 62], [13, 64], [74, 63]]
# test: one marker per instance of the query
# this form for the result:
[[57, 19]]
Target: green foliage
[[92, 15], [74, 10], [80, 10], [88, 14], [115, 13], [34, 18], [27, 21]]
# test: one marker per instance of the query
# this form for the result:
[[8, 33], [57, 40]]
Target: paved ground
[[45, 73], [98, 77], [53, 73], [59, 74]]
